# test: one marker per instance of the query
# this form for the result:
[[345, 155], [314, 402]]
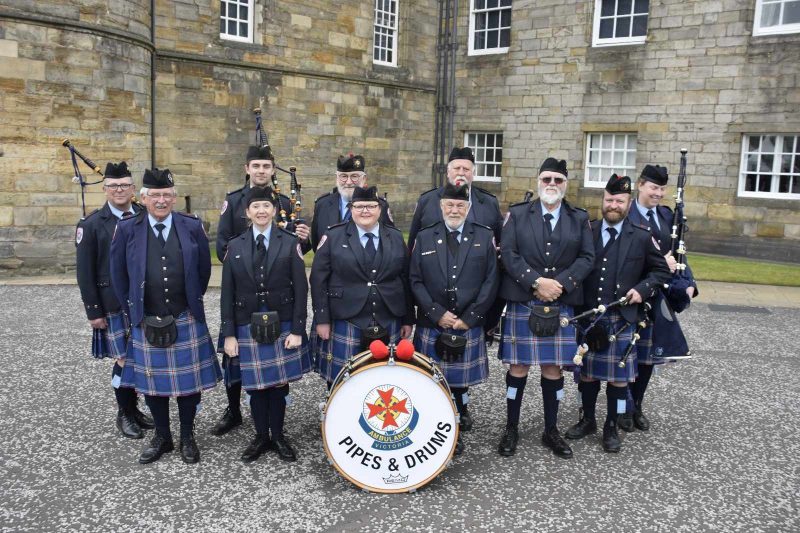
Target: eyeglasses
[[355, 177], [118, 187], [547, 180], [161, 196], [364, 207]]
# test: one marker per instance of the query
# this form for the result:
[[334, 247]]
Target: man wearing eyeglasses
[[160, 268], [548, 250], [109, 323], [359, 286], [333, 207]]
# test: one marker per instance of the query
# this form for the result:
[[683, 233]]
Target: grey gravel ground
[[723, 454]]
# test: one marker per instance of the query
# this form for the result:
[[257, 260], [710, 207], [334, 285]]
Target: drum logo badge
[[388, 417]]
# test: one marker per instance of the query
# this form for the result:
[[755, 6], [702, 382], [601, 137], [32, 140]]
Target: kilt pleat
[[187, 367], [519, 346], [604, 365], [268, 365], [111, 342], [472, 368], [345, 342]]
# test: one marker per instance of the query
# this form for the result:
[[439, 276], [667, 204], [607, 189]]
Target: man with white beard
[[333, 207], [547, 250]]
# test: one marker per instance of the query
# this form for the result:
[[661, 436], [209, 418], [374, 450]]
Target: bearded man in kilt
[[627, 263], [547, 251], [359, 286], [454, 278], [160, 268], [109, 323], [264, 279]]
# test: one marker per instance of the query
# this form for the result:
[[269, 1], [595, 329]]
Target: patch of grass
[[719, 268]]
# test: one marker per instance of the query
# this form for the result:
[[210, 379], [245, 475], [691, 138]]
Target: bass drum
[[389, 426]]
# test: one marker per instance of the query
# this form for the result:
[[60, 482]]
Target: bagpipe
[[290, 220], [78, 177]]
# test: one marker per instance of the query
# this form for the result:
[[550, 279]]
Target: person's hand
[[292, 341], [98, 323], [302, 232], [460, 324], [690, 291], [231, 347], [447, 320], [549, 290], [324, 331], [405, 331], [671, 262], [634, 297]]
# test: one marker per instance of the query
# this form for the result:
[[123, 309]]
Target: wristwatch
[[535, 284]]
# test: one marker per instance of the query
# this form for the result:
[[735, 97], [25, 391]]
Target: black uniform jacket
[[129, 262], [327, 214], [524, 255], [233, 220], [341, 284], [93, 250], [640, 266], [286, 287], [484, 210], [476, 281]]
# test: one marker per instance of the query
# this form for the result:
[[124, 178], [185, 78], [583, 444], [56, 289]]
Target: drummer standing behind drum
[[547, 251], [627, 264], [454, 278], [160, 268], [647, 212], [359, 286], [264, 297], [260, 168]]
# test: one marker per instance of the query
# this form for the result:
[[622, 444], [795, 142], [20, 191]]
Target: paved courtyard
[[723, 453]]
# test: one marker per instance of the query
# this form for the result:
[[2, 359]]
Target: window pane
[[753, 143], [752, 162], [768, 143], [606, 141], [494, 19], [750, 182], [242, 29], [784, 183], [505, 38], [619, 141], [505, 3], [770, 15], [480, 40], [243, 12], [631, 160], [505, 18], [795, 186], [623, 27], [498, 154], [480, 4], [594, 141], [606, 28], [231, 27], [786, 163], [491, 3], [222, 6], [492, 39], [764, 183], [624, 7], [791, 13], [619, 160], [607, 8], [480, 21], [788, 144], [642, 6], [222, 25], [639, 26], [766, 163], [498, 140]]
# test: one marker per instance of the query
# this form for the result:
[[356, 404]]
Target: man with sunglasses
[[548, 250], [333, 207], [109, 323]]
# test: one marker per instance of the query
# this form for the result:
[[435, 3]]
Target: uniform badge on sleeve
[[79, 235], [224, 207]]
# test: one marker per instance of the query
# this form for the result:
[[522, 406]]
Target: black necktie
[[548, 229], [126, 214], [160, 227], [261, 252], [651, 220], [452, 242], [346, 216], [612, 235], [369, 249]]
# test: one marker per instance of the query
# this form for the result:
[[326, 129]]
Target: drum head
[[390, 428]]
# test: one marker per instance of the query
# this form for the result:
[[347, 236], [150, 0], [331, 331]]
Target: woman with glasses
[[264, 299], [359, 286]]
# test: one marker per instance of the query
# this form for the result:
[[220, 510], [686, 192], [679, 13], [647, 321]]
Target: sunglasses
[[547, 180]]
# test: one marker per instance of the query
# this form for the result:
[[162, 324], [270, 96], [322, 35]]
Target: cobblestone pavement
[[722, 454]]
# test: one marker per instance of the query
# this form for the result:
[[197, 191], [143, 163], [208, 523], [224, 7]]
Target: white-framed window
[[236, 20], [606, 154], [489, 27], [488, 150], [384, 46], [770, 166], [620, 22], [776, 16]]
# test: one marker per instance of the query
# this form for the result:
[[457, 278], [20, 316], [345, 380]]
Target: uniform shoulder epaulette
[[188, 215], [389, 226], [323, 196], [87, 217], [668, 208], [484, 226], [485, 192], [643, 228], [128, 220], [338, 224], [429, 191], [235, 191], [519, 204], [432, 225]]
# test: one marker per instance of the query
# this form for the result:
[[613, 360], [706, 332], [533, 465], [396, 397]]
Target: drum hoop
[[442, 385]]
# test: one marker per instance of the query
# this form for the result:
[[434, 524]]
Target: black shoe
[[585, 426], [256, 448], [128, 426], [611, 442], [466, 419], [459, 446], [284, 449], [625, 422], [553, 440], [144, 421], [227, 422], [158, 446], [190, 453], [639, 420], [508, 442]]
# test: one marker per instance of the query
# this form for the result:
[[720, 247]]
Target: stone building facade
[[159, 82]]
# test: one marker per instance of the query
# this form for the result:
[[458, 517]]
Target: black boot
[[585, 426], [508, 442], [144, 421], [611, 442], [625, 422], [260, 444], [466, 418], [158, 446], [553, 440], [639, 420], [127, 425], [190, 453], [284, 449], [227, 422]]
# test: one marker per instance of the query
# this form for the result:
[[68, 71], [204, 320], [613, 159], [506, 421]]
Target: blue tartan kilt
[[187, 367], [644, 348], [268, 365], [472, 368], [605, 365], [111, 342], [331, 355], [231, 371], [519, 346]]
